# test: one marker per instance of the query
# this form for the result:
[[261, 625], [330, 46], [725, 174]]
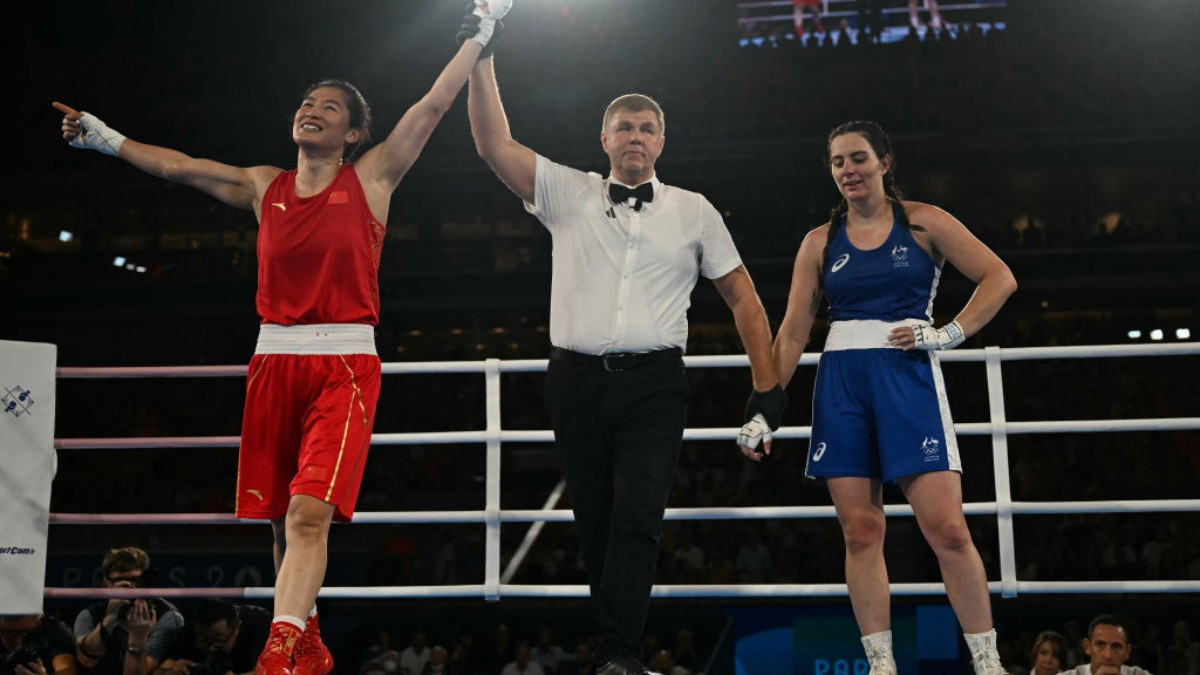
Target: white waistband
[[316, 338], [864, 333]]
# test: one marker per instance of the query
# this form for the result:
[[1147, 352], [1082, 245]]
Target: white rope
[[726, 434], [722, 361], [565, 515], [659, 591]]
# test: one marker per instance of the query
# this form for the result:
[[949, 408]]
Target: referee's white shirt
[[623, 279]]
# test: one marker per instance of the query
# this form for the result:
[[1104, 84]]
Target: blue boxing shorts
[[878, 412]]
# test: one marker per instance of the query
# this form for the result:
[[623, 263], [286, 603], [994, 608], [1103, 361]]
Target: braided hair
[[882, 145]]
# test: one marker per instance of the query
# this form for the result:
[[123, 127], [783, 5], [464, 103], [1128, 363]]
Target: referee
[[628, 250]]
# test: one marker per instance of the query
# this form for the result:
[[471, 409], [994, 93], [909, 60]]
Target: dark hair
[[214, 610], [360, 111], [1060, 647], [1108, 620], [882, 145], [126, 559], [634, 103]]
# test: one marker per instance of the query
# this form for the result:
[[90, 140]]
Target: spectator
[[464, 658], [548, 654], [687, 556], [753, 558], [383, 643], [523, 665], [663, 662], [121, 636], [501, 650], [1183, 648], [1108, 647], [582, 663], [37, 643], [685, 653], [1049, 654], [223, 638], [438, 662], [416, 655]]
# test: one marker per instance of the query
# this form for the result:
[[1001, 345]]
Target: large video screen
[[830, 22]]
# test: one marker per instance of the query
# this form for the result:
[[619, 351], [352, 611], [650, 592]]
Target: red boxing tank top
[[318, 256]]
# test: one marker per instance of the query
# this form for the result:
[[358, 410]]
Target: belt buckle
[[612, 369]]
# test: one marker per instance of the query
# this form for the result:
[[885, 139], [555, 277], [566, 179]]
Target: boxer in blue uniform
[[879, 407], [864, 385]]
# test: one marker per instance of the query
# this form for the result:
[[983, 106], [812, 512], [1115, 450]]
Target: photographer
[[35, 644], [223, 638], [122, 636]]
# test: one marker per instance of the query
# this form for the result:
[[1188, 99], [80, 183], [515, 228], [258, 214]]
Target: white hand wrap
[[930, 339], [488, 16], [97, 136], [754, 432]]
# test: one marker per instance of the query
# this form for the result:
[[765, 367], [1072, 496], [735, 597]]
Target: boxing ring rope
[[492, 516]]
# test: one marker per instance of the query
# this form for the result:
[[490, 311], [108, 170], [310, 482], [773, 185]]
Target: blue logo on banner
[[17, 401]]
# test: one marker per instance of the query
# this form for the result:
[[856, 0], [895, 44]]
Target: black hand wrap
[[470, 28], [771, 404]]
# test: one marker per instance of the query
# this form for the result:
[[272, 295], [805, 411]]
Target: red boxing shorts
[[308, 418]]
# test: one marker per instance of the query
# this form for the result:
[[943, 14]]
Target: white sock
[[878, 646], [294, 620], [880, 640], [980, 643]]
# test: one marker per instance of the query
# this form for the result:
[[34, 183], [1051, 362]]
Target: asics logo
[[820, 452], [840, 262]]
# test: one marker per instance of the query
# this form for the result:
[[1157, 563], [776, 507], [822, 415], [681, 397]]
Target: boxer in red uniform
[[314, 379]]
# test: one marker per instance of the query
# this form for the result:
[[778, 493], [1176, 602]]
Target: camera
[[217, 663], [159, 606], [29, 652]]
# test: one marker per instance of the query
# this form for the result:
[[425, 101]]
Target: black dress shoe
[[624, 666]]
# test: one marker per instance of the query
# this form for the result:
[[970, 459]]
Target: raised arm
[[382, 167], [515, 164], [804, 299], [238, 187]]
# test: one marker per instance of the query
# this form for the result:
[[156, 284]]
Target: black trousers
[[617, 434], [870, 17]]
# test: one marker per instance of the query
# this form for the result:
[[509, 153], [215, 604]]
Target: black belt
[[614, 363]]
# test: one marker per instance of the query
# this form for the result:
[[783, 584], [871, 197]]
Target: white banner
[[27, 463]]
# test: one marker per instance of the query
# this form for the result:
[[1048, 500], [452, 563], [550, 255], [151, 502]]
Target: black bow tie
[[621, 194]]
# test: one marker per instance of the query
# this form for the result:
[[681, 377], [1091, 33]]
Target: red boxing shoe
[[312, 657], [276, 656]]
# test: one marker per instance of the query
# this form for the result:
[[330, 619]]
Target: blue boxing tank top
[[895, 281]]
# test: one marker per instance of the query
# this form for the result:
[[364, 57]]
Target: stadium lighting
[[1183, 333], [119, 261], [1134, 334], [140, 270], [63, 235], [130, 266], [1156, 334]]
